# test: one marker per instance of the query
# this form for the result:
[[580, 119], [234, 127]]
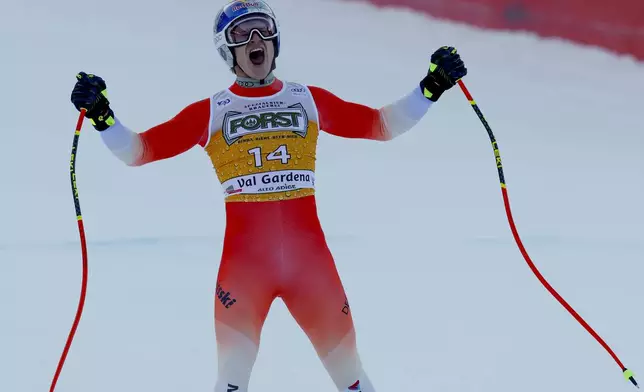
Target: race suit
[[262, 144]]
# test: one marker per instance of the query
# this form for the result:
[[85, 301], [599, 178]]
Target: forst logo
[[265, 121], [237, 124]]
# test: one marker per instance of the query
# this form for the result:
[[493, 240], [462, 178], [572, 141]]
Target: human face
[[255, 51], [255, 59]]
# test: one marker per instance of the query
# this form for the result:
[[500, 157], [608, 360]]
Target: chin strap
[[250, 82]]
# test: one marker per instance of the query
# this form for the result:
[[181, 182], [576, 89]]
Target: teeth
[[257, 50]]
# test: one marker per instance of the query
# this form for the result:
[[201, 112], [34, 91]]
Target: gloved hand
[[445, 71], [90, 93]]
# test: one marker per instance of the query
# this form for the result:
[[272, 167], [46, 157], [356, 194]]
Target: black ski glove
[[90, 93], [445, 71]]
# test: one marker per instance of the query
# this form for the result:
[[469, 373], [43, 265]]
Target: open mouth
[[257, 56]]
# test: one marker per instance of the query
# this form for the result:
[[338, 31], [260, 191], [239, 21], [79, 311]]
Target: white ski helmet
[[235, 12]]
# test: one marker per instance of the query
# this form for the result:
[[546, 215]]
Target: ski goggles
[[241, 31]]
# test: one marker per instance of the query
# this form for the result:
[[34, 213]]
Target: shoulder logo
[[224, 102], [221, 98], [297, 89], [237, 124]]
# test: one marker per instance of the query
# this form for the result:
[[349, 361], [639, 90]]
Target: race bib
[[271, 182]]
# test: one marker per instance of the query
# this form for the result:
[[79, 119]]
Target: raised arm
[[347, 119], [352, 120], [173, 137]]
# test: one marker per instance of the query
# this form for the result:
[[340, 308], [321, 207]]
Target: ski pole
[[628, 374], [81, 230]]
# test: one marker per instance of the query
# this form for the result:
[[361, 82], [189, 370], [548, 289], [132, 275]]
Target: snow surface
[[442, 298]]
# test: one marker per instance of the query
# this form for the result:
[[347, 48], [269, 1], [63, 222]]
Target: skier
[[261, 136]]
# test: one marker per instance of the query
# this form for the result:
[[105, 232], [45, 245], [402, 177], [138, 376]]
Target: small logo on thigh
[[232, 388], [345, 309], [224, 296]]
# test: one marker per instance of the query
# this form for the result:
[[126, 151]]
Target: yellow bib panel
[[263, 149]]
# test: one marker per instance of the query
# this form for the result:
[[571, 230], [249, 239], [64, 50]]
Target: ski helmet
[[234, 13]]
